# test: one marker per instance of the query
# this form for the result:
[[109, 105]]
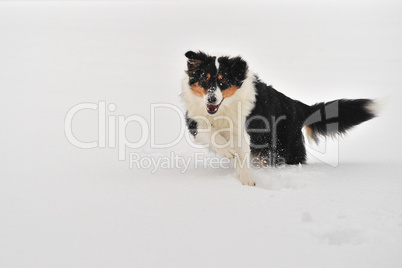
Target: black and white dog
[[238, 115]]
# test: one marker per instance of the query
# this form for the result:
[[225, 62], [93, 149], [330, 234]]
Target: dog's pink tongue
[[212, 108]]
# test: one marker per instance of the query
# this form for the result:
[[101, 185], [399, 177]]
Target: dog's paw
[[246, 179], [227, 152]]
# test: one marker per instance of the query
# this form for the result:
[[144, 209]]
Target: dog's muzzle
[[213, 108]]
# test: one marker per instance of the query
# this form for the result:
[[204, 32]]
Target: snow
[[62, 206]]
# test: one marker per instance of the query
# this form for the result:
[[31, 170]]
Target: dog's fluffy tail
[[336, 117]]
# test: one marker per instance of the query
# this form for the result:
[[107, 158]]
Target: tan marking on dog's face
[[229, 92], [197, 90], [208, 76], [220, 76]]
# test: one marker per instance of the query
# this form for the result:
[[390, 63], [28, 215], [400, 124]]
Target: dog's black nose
[[211, 99]]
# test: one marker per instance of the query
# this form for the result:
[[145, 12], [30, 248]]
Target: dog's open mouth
[[212, 108]]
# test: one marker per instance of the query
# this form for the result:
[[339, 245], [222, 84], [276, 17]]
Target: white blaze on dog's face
[[214, 79]]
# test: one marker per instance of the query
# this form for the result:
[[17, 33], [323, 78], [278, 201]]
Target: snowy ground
[[62, 206]]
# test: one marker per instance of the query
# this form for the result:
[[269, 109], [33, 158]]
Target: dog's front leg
[[242, 165], [242, 159]]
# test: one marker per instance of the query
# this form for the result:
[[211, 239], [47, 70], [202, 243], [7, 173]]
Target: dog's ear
[[238, 68], [191, 55], [222, 59], [194, 60]]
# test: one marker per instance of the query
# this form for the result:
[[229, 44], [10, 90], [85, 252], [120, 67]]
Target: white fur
[[225, 131], [218, 95], [376, 106], [216, 62]]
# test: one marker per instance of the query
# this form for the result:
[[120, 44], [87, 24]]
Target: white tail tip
[[376, 106]]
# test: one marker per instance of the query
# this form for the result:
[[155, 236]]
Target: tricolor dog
[[241, 117]]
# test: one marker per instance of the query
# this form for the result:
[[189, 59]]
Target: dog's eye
[[222, 80], [205, 78]]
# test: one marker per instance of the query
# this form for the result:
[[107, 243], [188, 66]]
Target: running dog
[[241, 117]]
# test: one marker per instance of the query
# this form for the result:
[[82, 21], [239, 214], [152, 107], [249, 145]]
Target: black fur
[[232, 70], [336, 117], [199, 65], [192, 125], [276, 121], [274, 126]]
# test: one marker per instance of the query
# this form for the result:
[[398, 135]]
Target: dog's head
[[214, 79]]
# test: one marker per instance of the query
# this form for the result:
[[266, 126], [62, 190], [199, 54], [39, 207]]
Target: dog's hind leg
[[297, 151]]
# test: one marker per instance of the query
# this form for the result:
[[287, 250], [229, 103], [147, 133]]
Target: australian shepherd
[[241, 117]]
